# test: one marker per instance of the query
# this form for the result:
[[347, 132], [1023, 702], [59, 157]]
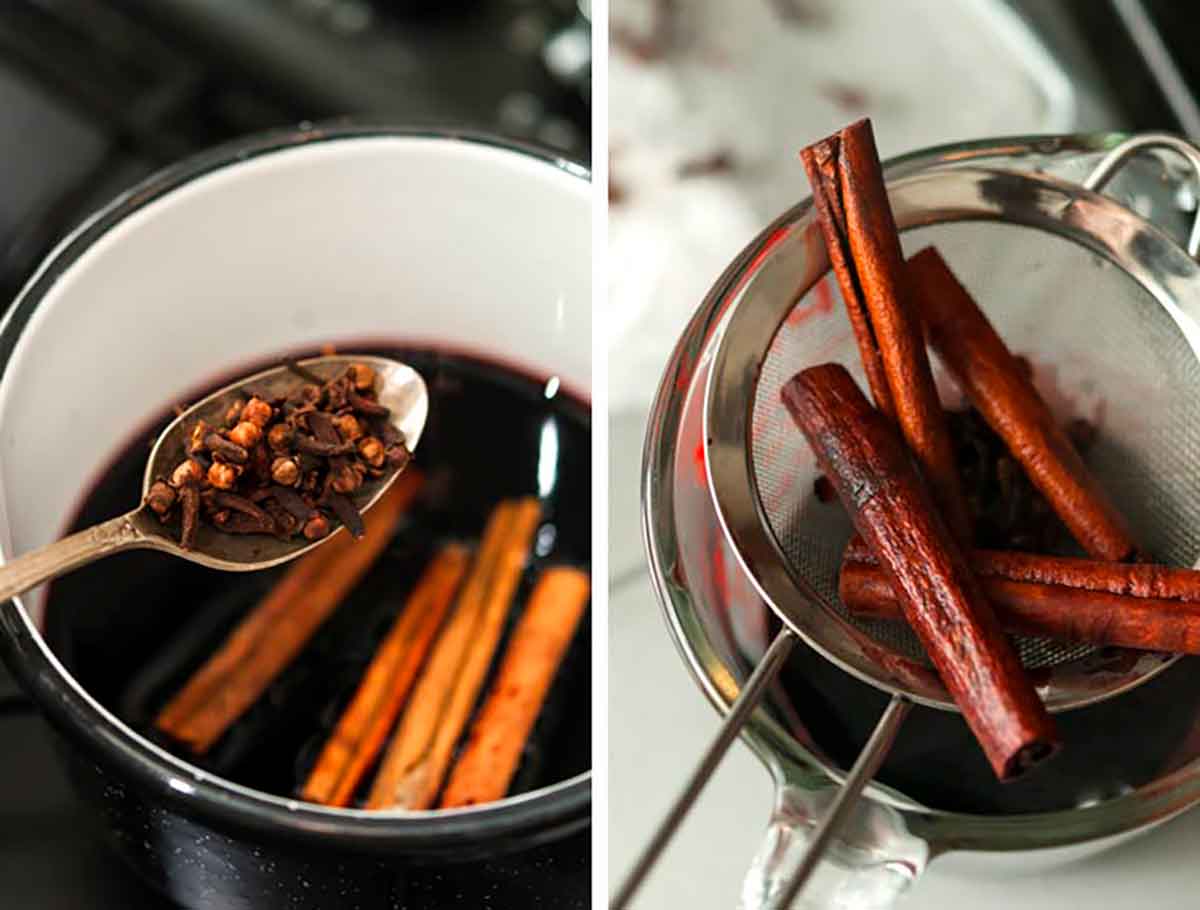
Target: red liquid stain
[[822, 303], [699, 464], [719, 573]]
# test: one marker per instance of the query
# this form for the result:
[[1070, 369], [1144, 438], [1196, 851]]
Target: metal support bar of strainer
[[880, 742]]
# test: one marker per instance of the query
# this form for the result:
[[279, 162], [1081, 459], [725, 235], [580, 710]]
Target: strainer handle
[[1115, 159], [739, 712], [793, 848]]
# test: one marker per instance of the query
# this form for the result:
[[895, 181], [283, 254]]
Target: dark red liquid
[[1109, 748], [133, 628]]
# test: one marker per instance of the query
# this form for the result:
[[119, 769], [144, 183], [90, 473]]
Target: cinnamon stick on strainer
[[992, 378], [864, 250], [1062, 612], [1128, 605], [943, 603]]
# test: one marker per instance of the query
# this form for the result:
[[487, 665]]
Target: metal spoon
[[400, 389]]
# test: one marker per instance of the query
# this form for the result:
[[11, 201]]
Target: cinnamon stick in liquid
[[275, 631], [419, 755], [943, 603], [993, 380], [493, 749], [864, 250], [363, 728]]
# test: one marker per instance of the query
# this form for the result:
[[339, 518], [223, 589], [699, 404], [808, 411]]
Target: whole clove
[[313, 446], [284, 465], [229, 451]]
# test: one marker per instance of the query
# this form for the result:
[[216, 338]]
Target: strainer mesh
[[1102, 348]]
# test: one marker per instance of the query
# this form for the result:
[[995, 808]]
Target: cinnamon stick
[[992, 378], [362, 730], [490, 757], [864, 250], [942, 601], [275, 631], [415, 764], [1088, 615], [1138, 580]]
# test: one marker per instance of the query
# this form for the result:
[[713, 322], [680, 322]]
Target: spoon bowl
[[400, 389]]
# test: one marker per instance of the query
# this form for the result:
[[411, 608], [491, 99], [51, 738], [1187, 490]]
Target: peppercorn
[[348, 427], [279, 437], [285, 471], [161, 498], [370, 449], [257, 412], [245, 434], [316, 527], [362, 376], [189, 471], [223, 476]]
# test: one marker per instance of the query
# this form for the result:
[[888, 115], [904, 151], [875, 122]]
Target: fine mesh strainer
[[1037, 253]]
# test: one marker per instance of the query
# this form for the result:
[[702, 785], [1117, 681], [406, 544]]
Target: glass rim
[[779, 751]]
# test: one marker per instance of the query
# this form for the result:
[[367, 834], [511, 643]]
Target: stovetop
[[96, 94]]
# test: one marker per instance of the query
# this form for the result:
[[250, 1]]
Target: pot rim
[[565, 804]]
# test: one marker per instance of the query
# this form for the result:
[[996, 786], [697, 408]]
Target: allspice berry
[[190, 471], [371, 450], [348, 427], [257, 412], [222, 476], [245, 434], [279, 437], [362, 376], [285, 471], [316, 527], [161, 498]]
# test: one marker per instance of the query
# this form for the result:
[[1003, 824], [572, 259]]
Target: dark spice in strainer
[[284, 465], [998, 387]]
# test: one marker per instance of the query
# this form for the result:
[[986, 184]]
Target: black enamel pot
[[418, 237]]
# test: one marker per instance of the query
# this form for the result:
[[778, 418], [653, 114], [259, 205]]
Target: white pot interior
[[434, 241]]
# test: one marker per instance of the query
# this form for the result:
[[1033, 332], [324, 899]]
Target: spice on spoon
[[289, 462]]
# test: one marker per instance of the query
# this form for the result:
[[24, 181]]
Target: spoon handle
[[48, 562]]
